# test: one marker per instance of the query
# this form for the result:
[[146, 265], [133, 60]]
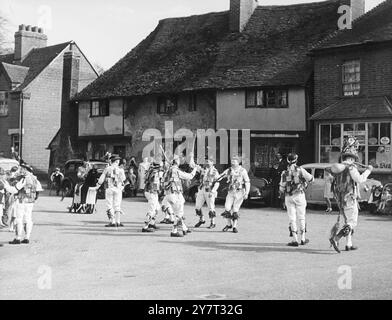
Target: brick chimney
[[240, 13], [71, 71], [357, 9], [27, 38]]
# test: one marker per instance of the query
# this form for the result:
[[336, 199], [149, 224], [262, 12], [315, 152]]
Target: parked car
[[315, 190], [260, 191], [70, 175], [7, 164]]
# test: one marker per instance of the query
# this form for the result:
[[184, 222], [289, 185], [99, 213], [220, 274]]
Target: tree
[[5, 45]]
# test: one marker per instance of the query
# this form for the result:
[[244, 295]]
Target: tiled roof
[[16, 74], [356, 108], [374, 26], [7, 58], [35, 62], [38, 59], [199, 52]]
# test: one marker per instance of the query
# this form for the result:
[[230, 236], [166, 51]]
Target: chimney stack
[[357, 9], [26, 39], [240, 13], [71, 74]]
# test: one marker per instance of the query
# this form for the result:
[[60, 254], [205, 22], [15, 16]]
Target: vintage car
[[260, 191], [70, 175], [315, 190], [7, 164]]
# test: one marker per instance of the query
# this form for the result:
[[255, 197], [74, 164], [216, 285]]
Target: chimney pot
[[26, 39]]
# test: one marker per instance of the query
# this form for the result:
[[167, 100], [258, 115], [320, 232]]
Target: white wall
[[232, 114]]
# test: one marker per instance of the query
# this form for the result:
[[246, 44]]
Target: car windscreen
[[99, 166]]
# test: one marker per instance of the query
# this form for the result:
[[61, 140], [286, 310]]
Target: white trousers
[[296, 208], [234, 200], [24, 217], [351, 213], [153, 204], [113, 198], [176, 201], [205, 197]]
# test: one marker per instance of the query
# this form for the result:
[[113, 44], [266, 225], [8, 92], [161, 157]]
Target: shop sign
[[385, 140]]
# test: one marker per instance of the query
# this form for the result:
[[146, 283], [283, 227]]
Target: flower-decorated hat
[[350, 148]]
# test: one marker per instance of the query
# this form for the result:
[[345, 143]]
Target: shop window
[[379, 149], [358, 130], [351, 78], [330, 143]]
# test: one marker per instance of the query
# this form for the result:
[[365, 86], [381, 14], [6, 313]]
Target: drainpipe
[[23, 96], [20, 124]]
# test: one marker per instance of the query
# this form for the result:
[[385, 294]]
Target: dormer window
[[351, 78]]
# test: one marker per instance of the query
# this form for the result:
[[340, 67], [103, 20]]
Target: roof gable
[[16, 74], [38, 59], [199, 52], [374, 26]]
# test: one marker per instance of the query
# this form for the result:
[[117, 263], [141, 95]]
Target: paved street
[[85, 260]]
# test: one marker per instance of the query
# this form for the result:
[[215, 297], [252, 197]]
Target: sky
[[106, 30]]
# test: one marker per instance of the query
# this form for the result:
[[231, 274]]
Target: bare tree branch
[[5, 45]]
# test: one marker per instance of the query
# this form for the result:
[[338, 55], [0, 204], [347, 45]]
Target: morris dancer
[[207, 193], [2, 197], [26, 197], [173, 189], [293, 184], [346, 192], [11, 198], [6, 199], [239, 187], [113, 177], [153, 186]]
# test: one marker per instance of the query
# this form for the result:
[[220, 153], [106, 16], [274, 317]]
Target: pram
[[85, 198]]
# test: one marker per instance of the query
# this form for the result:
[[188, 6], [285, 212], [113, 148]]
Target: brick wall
[[42, 113], [9, 122], [376, 73]]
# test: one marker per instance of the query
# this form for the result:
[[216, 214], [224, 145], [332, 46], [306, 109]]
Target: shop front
[[375, 147], [266, 147]]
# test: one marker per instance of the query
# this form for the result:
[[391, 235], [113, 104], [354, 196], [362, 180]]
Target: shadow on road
[[256, 247]]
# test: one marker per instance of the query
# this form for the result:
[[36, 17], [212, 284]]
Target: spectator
[[57, 178], [143, 168], [132, 178]]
